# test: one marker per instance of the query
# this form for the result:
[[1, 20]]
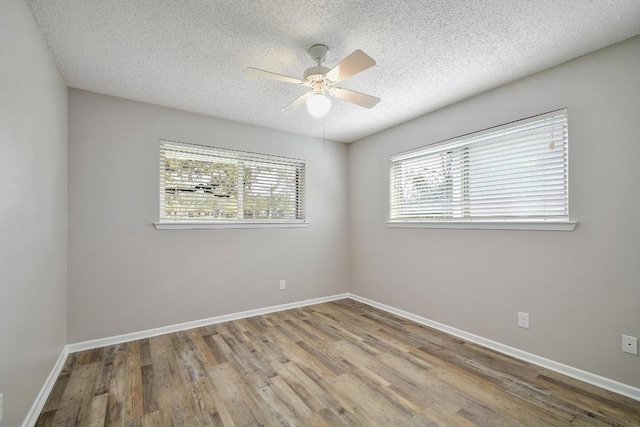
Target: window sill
[[203, 225], [488, 225]]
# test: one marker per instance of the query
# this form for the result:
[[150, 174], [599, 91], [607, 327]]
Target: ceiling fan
[[322, 81]]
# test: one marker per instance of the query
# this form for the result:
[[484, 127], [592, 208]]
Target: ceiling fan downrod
[[318, 52]]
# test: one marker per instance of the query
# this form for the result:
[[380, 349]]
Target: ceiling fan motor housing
[[314, 78], [314, 73]]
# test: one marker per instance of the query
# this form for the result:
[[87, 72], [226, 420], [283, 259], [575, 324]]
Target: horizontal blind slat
[[207, 183], [517, 171], [554, 119]]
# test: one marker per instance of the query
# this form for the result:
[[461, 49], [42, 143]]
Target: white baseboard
[[41, 399], [103, 342], [587, 377], [570, 371]]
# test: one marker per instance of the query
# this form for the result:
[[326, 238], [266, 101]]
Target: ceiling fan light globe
[[318, 105]]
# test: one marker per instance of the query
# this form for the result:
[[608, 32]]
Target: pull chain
[[324, 133]]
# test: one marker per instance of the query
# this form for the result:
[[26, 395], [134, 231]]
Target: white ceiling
[[190, 55]]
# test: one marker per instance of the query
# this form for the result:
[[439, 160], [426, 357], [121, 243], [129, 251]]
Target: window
[[514, 173], [200, 184]]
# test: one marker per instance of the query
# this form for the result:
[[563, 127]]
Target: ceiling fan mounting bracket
[[318, 52]]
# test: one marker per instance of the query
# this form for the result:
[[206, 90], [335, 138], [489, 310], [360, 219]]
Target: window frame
[[238, 158], [525, 223]]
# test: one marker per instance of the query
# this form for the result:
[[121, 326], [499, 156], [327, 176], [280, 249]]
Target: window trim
[[206, 225], [241, 156], [543, 225], [551, 224]]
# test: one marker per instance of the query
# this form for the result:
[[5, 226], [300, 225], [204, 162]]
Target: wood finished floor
[[335, 364]]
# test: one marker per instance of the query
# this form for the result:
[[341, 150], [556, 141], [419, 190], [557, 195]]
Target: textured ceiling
[[190, 55]]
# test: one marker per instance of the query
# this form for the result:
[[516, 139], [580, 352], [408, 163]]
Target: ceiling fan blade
[[366, 101], [254, 72], [353, 64], [299, 100]]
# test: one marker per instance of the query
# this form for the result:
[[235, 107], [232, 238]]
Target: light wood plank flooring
[[335, 364]]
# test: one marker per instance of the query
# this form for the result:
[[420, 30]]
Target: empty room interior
[[334, 213]]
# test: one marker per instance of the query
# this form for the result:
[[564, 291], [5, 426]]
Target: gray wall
[[33, 206], [581, 288], [126, 276]]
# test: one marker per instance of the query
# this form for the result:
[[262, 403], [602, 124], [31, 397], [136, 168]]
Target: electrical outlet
[[630, 344], [283, 285], [523, 320]]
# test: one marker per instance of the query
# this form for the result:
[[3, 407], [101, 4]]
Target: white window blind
[[515, 172], [200, 183]]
